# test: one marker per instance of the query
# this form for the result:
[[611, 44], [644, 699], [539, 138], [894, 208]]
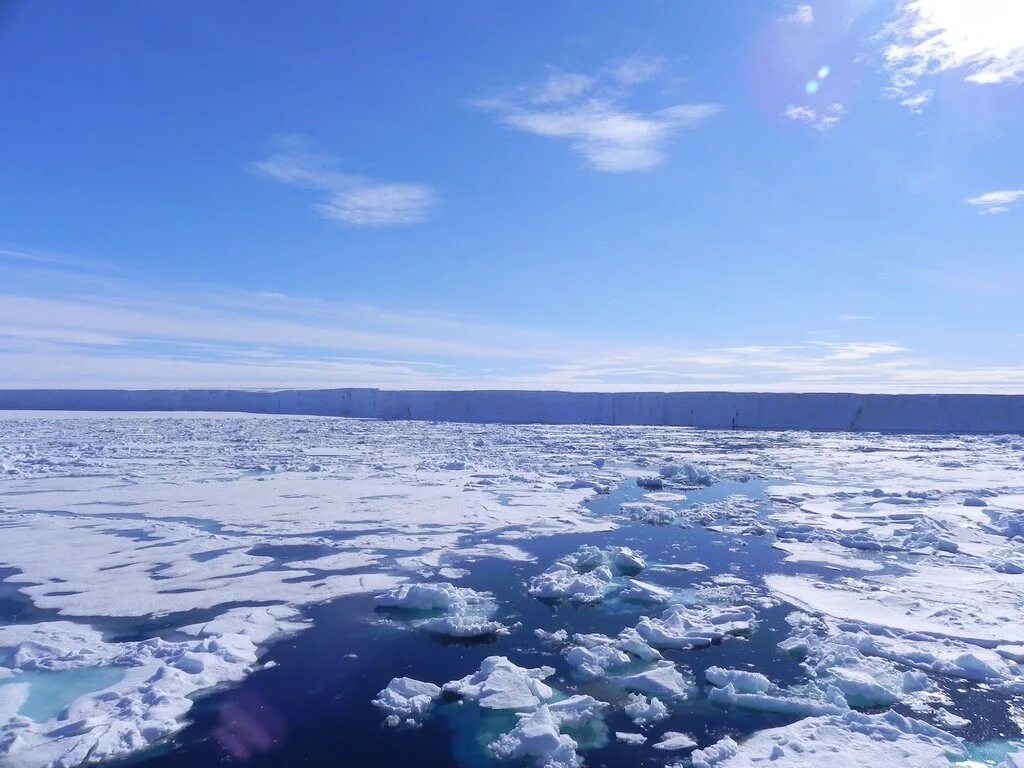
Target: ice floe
[[849, 740], [464, 612], [587, 575], [685, 627], [501, 684], [405, 700]]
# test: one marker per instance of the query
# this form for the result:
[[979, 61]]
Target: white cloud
[[588, 112], [128, 334], [822, 120], [854, 318], [352, 199], [803, 15], [996, 202], [983, 39]]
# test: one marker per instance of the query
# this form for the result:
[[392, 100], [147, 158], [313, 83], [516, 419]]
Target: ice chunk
[[594, 660], [500, 684], [741, 681], [675, 741], [430, 596], [642, 710], [587, 575], [664, 679], [12, 698], [467, 612], [406, 699], [687, 627], [851, 739], [630, 738], [538, 734], [645, 592]]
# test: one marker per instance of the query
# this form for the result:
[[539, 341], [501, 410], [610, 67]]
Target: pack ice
[[214, 533]]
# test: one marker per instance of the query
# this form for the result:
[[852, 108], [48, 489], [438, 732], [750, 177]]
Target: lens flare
[[811, 87], [824, 71]]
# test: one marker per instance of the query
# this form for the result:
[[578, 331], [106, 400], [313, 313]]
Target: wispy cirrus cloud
[[996, 202], [589, 112], [352, 199], [127, 333], [983, 39], [818, 119]]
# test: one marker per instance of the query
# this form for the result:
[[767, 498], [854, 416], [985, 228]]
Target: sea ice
[[849, 740], [405, 700], [685, 627], [644, 711], [674, 741], [500, 684], [466, 612]]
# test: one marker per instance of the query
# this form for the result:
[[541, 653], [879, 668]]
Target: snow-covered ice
[[218, 532]]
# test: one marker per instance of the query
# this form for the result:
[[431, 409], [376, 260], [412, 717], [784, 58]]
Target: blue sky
[[575, 195]]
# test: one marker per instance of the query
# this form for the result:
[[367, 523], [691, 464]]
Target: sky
[[581, 195]]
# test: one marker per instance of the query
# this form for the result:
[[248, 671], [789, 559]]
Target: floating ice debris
[[691, 474], [684, 567], [948, 719], [798, 700], [466, 612], [500, 684], [595, 659], [630, 738], [850, 739], [645, 592], [644, 711], [538, 734], [664, 680], [587, 575], [648, 512], [945, 657], [405, 700], [744, 682], [652, 482], [686, 627], [430, 597], [558, 637], [595, 654], [674, 741]]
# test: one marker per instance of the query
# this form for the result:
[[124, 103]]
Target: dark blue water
[[312, 707]]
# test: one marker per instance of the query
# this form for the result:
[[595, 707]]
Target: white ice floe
[[538, 734], [685, 627], [674, 741], [466, 612], [594, 655], [849, 740], [630, 738], [663, 680], [587, 575], [500, 684], [644, 711], [405, 700], [142, 515], [145, 705], [974, 605], [645, 592]]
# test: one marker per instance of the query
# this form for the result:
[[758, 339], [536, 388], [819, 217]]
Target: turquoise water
[[51, 691]]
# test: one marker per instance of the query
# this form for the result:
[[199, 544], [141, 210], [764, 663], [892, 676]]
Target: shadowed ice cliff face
[[741, 410]]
